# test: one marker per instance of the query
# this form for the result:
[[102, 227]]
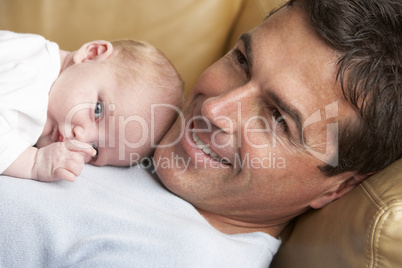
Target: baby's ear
[[95, 50]]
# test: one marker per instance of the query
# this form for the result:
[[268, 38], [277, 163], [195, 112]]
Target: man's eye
[[98, 109], [241, 59], [279, 120]]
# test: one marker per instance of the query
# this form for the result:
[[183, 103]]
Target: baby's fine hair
[[139, 63], [138, 60]]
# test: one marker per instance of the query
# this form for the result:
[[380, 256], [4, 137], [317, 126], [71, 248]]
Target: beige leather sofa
[[363, 229]]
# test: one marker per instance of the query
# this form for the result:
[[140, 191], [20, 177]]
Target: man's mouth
[[207, 150]]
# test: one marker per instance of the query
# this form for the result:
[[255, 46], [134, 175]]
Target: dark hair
[[367, 34]]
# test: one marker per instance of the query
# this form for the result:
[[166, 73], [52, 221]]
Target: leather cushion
[[361, 229]]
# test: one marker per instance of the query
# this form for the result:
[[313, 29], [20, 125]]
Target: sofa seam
[[381, 220], [372, 197], [377, 223], [370, 249]]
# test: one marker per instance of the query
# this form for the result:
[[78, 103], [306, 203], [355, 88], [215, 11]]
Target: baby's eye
[[98, 109]]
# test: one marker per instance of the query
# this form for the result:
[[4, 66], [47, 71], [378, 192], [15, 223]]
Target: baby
[[101, 104]]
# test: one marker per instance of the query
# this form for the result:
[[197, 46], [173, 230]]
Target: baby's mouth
[[208, 151], [57, 136]]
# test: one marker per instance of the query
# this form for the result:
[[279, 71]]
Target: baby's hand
[[61, 161]]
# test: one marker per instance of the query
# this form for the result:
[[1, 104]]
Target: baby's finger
[[77, 146], [80, 158], [63, 174], [74, 166]]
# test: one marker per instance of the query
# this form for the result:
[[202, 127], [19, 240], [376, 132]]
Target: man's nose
[[228, 109]]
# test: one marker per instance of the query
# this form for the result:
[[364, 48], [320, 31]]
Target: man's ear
[[95, 50], [342, 186]]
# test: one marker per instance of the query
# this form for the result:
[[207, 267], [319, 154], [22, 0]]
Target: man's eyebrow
[[274, 10], [246, 38], [293, 113]]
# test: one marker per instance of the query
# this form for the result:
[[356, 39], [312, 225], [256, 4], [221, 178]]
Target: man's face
[[267, 112]]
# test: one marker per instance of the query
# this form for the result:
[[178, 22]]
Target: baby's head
[[151, 95], [120, 97]]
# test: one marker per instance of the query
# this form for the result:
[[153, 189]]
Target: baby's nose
[[78, 133]]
